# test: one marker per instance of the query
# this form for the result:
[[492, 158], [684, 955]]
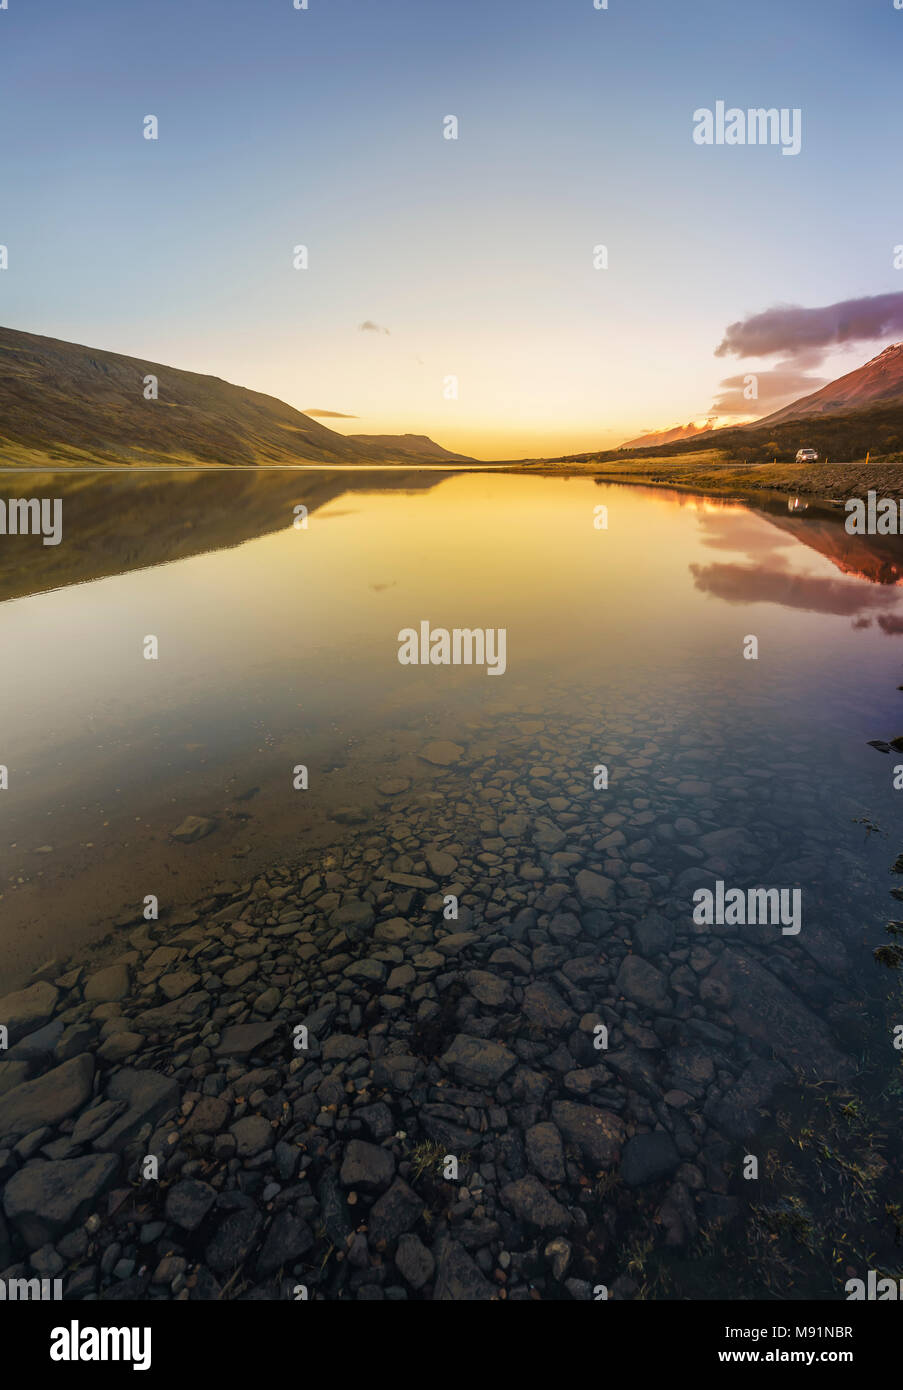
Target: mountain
[[65, 404], [879, 382], [409, 446], [129, 521], [646, 441]]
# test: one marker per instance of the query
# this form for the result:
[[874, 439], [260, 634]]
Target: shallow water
[[283, 649], [625, 650]]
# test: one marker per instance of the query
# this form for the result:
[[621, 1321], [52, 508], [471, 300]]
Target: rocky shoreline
[[293, 1163], [834, 482]]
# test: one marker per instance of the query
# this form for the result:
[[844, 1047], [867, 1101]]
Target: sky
[[451, 288]]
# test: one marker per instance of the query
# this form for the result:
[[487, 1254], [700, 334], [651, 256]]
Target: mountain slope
[[647, 441], [62, 403], [415, 446], [879, 381]]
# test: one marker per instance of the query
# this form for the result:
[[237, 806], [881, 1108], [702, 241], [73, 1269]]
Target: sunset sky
[[470, 258]]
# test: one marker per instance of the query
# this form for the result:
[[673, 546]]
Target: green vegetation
[[843, 438]]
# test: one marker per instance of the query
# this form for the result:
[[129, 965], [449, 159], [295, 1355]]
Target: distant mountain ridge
[[878, 381], [64, 404], [410, 446], [646, 441], [859, 413]]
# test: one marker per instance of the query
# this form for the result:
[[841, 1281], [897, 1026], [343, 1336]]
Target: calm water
[[281, 648], [625, 648]]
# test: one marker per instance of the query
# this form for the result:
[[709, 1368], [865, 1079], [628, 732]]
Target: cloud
[[784, 383], [329, 415], [799, 332], [889, 623], [368, 326], [810, 593]]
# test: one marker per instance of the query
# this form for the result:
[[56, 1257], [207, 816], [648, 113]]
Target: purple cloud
[[793, 329]]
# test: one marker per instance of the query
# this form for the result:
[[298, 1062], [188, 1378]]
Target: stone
[[648, 1157], [458, 1278], [393, 786], [598, 1134], [455, 942], [478, 1061], [49, 1098], [594, 889], [341, 1047], [491, 990], [355, 917], [558, 1252], [193, 828], [368, 972], [442, 753], [243, 1039], [532, 1204], [547, 837], [677, 1215], [288, 1238], [545, 1008], [149, 1098], [764, 1008], [396, 1211], [44, 1200], [253, 1134], [397, 1071], [545, 1151], [28, 1009], [377, 1118], [233, 1240], [366, 1166], [644, 983], [188, 1202], [209, 1116], [108, 986], [738, 1112], [440, 862], [12, 1074], [653, 935], [393, 931], [177, 1015], [40, 1044], [178, 982], [413, 1261], [416, 881], [401, 978], [92, 1122], [118, 1046]]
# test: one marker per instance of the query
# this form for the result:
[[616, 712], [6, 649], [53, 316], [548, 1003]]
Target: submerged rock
[[28, 1009], [193, 828], [43, 1200]]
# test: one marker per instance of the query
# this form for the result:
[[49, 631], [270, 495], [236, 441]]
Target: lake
[[632, 752]]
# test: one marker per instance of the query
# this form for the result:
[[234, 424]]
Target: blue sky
[[324, 127]]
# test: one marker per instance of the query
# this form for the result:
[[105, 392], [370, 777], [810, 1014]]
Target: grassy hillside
[[63, 404], [843, 438]]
